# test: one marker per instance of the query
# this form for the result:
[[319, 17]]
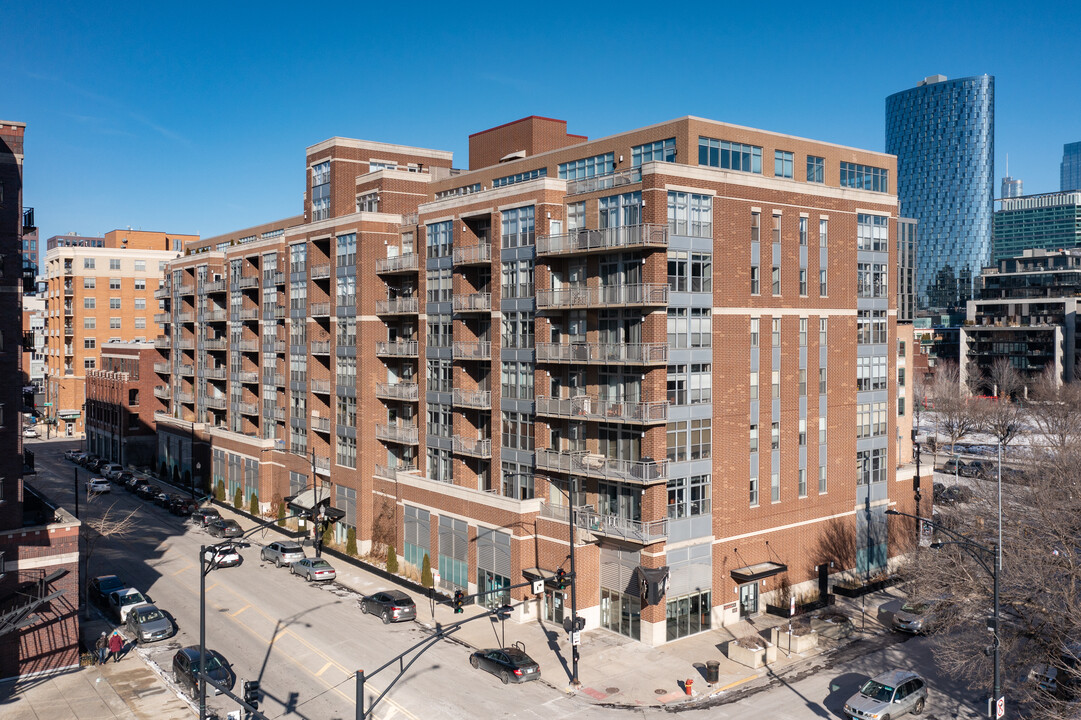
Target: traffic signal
[[251, 693], [561, 579], [459, 600]]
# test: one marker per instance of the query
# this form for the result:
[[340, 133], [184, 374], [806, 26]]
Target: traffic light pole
[[575, 682]]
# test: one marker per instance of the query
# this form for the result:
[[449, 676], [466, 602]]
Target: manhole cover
[[662, 691], [611, 691]]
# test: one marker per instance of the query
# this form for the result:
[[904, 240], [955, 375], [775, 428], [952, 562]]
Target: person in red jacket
[[116, 645]]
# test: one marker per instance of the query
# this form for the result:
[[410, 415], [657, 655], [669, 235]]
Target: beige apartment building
[[677, 345], [98, 290]]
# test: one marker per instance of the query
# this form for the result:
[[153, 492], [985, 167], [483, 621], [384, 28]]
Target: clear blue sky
[[192, 117]]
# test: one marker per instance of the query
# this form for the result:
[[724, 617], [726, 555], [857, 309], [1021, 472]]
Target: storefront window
[[487, 582], [687, 615], [621, 613]]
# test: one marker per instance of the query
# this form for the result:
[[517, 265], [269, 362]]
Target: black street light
[[978, 552]]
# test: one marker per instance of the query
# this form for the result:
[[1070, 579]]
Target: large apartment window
[[114, 303], [518, 431], [517, 380], [677, 384], [520, 177], [690, 440], [345, 291], [870, 466], [518, 330], [368, 202], [440, 375], [871, 373], [440, 285], [346, 250], [872, 232], [753, 387], [346, 415], [823, 232], [871, 280], [754, 332], [865, 177], [321, 191], [298, 258], [346, 451], [870, 420], [88, 263], [519, 227], [620, 210], [140, 303], [114, 263], [690, 214], [587, 167], [701, 383], [816, 169], [782, 164], [754, 438], [440, 237], [870, 327], [440, 420], [576, 215], [729, 155], [89, 283], [518, 481], [689, 496], [89, 303], [114, 283], [662, 150], [518, 279]]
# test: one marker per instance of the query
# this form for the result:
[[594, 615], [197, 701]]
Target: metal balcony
[[163, 391], [585, 407], [274, 313], [69, 330], [321, 272], [275, 277], [625, 237], [604, 353], [472, 447], [216, 344], [162, 367], [185, 317], [186, 370], [322, 464], [245, 283], [216, 316], [604, 182], [248, 408], [397, 348], [214, 286], [69, 290], [320, 309], [581, 296], [216, 403], [635, 531], [321, 347], [405, 434], [391, 471], [397, 391], [479, 399], [400, 264], [274, 346], [473, 302], [246, 377], [321, 424], [186, 289], [163, 342], [160, 318], [162, 293], [184, 344], [248, 314], [472, 350], [397, 306], [185, 397], [473, 254], [323, 387], [247, 345], [214, 373], [604, 468]]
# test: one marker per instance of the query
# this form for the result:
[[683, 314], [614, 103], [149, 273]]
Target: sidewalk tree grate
[[611, 690]]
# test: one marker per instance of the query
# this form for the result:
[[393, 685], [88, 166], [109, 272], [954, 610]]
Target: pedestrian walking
[[116, 644], [102, 647]]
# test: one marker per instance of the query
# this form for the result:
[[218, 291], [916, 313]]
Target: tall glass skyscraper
[[1070, 170], [943, 134]]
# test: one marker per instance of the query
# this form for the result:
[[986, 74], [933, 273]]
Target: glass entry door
[[748, 600]]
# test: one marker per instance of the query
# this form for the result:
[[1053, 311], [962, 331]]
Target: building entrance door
[[748, 600]]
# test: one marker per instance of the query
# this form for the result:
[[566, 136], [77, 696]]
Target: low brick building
[[121, 399]]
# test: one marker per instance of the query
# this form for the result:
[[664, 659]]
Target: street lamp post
[[974, 550]]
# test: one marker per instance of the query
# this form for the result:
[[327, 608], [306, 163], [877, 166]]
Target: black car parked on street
[[509, 664]]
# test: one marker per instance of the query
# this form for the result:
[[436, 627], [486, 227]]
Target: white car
[[30, 433], [98, 485], [223, 556], [121, 602]]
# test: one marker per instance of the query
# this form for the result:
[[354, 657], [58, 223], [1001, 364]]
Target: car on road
[[101, 586], [123, 478], [914, 617], [955, 494], [95, 486], [162, 499], [888, 696], [220, 527], [313, 569], [282, 552], [122, 602], [30, 433], [148, 492], [509, 664], [108, 470], [137, 485], [186, 667], [979, 469], [71, 454], [390, 606], [147, 623], [201, 517], [223, 556], [181, 505], [953, 466], [94, 464]]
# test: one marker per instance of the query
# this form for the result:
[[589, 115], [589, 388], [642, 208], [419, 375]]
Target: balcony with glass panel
[[214, 286], [401, 264], [161, 318], [247, 345], [162, 368], [186, 370], [587, 407], [186, 289], [216, 316], [397, 306], [397, 391], [248, 313], [396, 348], [248, 408], [185, 397], [163, 342], [404, 434], [472, 302], [216, 402], [163, 392], [320, 347], [471, 350], [322, 387], [473, 447], [472, 255], [583, 296], [604, 182], [321, 271], [162, 293], [321, 424], [320, 309], [214, 373], [604, 353], [216, 344], [246, 377], [185, 317], [322, 464], [595, 465], [477, 399], [586, 241], [390, 472]]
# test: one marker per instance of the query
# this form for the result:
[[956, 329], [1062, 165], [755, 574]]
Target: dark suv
[[202, 517], [390, 606], [186, 667]]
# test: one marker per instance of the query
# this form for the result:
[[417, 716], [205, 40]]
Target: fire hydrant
[[687, 685]]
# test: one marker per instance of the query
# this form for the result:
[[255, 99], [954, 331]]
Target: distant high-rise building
[[1070, 170], [1011, 187], [1051, 221], [943, 134]]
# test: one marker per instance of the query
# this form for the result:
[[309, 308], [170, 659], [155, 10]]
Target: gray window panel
[[493, 551]]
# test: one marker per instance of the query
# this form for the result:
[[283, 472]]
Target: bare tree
[[1003, 416], [1005, 381], [957, 416], [110, 524], [920, 391]]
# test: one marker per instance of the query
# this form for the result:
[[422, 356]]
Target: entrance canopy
[[313, 503], [759, 571]]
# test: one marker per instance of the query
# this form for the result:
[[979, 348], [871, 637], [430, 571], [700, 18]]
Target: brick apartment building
[[98, 290], [121, 403], [39, 551], [471, 360]]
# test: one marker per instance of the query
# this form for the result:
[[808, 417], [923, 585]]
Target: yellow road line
[[183, 569], [241, 610], [324, 669]]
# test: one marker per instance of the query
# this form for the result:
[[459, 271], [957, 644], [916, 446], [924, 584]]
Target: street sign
[[538, 587], [1000, 707], [576, 639]]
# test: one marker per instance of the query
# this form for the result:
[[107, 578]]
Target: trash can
[[713, 672]]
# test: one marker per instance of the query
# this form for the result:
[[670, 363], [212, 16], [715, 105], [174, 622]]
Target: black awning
[[760, 571]]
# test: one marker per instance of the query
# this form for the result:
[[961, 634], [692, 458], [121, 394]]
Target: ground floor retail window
[[487, 585], [687, 615], [453, 573], [621, 613], [414, 555]]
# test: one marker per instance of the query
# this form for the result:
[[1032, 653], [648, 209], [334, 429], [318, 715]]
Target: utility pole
[[76, 469], [575, 682]]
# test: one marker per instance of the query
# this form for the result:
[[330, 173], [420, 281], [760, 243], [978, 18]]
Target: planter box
[[751, 658], [794, 643], [855, 591], [801, 609]]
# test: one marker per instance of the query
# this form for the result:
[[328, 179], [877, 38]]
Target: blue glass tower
[[943, 134], [1070, 170]]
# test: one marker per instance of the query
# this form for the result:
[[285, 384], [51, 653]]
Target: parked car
[[220, 527], [30, 433], [101, 586], [147, 492], [137, 485], [162, 499], [980, 469], [509, 664], [282, 552], [956, 494], [313, 569], [121, 602], [95, 486], [914, 617], [123, 478], [937, 489], [186, 665], [953, 466], [390, 606], [108, 469], [181, 505], [201, 517], [147, 623], [223, 556], [891, 694], [71, 454], [94, 464]]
